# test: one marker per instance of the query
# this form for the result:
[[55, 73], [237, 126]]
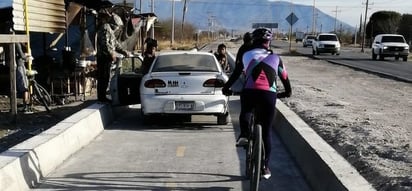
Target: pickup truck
[[326, 43], [390, 45]]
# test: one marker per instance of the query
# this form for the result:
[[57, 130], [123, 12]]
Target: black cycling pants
[[264, 103]]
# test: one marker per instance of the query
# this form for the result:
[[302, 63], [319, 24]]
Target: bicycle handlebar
[[278, 95]]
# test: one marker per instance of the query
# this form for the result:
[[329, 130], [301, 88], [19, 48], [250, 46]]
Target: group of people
[[260, 68]]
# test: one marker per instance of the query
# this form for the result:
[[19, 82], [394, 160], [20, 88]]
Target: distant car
[[390, 45], [308, 40], [326, 43], [182, 84], [285, 38]]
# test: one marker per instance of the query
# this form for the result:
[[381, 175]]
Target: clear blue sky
[[349, 11]]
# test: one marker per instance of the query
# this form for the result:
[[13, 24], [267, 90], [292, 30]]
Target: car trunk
[[186, 83]]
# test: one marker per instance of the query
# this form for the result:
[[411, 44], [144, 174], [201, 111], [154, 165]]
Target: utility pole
[[364, 26], [172, 39], [336, 17], [152, 28], [313, 18]]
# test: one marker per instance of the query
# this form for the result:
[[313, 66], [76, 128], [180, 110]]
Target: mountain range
[[239, 15]]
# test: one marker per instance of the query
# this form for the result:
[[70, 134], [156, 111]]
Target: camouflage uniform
[[107, 48]]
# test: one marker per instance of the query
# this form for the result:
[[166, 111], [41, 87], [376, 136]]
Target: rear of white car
[[186, 83]]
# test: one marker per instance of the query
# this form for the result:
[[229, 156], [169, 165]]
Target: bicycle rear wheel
[[256, 159], [42, 96], [249, 148]]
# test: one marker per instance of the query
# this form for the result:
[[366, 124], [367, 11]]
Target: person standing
[[149, 55], [107, 49], [221, 56]]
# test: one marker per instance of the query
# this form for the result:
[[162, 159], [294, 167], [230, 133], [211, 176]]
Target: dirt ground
[[363, 116], [366, 118]]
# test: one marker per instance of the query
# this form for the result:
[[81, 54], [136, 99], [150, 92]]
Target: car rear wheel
[[374, 56], [223, 119], [405, 58], [147, 119], [313, 52]]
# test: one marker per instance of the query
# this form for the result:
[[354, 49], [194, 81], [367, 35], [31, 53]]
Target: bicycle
[[255, 153], [38, 94]]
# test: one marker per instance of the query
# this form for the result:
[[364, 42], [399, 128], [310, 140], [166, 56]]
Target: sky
[[350, 11]]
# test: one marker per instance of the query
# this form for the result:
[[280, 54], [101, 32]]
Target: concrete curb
[[324, 168], [22, 166]]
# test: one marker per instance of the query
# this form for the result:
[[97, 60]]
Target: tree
[[405, 27], [383, 22]]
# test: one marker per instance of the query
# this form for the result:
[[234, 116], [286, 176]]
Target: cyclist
[[237, 72], [261, 67]]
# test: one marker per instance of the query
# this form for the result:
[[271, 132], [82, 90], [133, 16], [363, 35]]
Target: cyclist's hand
[[226, 91]]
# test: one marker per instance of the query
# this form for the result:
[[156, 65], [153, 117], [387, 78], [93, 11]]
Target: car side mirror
[[377, 42]]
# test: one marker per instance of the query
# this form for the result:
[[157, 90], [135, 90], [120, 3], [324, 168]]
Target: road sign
[[266, 25], [292, 18]]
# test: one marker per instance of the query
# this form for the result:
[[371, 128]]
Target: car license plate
[[184, 105]]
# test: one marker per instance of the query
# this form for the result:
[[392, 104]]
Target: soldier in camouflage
[[107, 48]]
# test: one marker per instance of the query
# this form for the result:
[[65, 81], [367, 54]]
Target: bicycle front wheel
[[42, 96], [256, 158]]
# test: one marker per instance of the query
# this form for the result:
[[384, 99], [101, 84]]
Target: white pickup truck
[[326, 43], [390, 45]]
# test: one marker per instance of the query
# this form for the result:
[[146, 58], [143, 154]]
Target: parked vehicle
[[326, 43], [184, 83], [390, 45], [299, 36], [308, 40]]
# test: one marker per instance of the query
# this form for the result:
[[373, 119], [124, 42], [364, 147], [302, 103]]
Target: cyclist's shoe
[[266, 173], [241, 141]]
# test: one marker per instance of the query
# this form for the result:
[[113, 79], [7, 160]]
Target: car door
[[124, 85]]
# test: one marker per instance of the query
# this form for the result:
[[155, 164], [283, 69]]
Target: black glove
[[226, 91]]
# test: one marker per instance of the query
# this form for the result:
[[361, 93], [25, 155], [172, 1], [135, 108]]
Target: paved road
[[353, 57], [193, 156]]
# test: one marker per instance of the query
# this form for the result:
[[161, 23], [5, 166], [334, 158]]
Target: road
[[195, 156], [353, 57]]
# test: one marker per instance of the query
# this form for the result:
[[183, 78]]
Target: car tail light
[[154, 83], [214, 83]]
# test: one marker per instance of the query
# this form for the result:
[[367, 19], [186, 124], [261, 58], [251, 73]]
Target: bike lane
[[192, 156]]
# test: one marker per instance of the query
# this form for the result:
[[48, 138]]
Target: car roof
[[194, 51], [327, 34], [389, 35]]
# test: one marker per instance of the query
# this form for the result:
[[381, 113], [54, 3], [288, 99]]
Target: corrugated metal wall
[[44, 15]]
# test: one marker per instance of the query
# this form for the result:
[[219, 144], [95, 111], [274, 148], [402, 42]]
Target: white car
[[326, 43], [184, 83], [390, 45], [308, 40]]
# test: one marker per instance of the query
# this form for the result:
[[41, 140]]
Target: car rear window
[[185, 62], [392, 39], [327, 38], [310, 37]]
